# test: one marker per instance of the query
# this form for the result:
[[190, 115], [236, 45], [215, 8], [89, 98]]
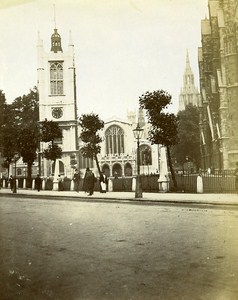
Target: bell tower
[[56, 80], [56, 42]]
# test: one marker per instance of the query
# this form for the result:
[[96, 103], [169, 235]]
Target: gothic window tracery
[[114, 140], [56, 78]]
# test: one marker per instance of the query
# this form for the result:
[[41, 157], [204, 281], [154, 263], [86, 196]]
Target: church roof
[[118, 120]]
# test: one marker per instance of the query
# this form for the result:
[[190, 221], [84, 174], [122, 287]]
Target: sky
[[123, 48]]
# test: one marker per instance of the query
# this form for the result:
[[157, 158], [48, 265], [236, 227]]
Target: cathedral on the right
[[218, 72]]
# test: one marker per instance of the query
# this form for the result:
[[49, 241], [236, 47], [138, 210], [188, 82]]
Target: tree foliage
[[2, 113], [7, 129], [20, 129], [90, 125], [163, 124], [50, 131], [26, 109], [9, 137], [7, 145], [28, 142], [53, 152], [189, 136]]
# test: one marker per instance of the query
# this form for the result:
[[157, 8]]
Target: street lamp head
[[138, 132], [16, 156]]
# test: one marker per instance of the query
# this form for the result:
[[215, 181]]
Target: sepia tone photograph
[[118, 149]]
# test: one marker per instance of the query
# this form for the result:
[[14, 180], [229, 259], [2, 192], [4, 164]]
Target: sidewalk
[[214, 199]]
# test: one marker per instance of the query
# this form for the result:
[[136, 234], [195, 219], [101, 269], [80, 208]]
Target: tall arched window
[[116, 170], [128, 169], [114, 140], [56, 78]]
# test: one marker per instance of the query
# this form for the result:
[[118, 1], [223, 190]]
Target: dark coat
[[76, 180], [89, 182], [38, 183], [11, 181]]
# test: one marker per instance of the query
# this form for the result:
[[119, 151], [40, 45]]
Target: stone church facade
[[218, 68], [118, 152], [57, 102]]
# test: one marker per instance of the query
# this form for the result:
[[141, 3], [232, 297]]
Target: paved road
[[190, 198], [87, 250]]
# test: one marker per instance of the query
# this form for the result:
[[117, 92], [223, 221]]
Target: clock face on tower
[[57, 112]]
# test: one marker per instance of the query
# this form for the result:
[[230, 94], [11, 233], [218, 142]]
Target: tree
[[2, 113], [26, 111], [91, 124], [5, 146], [28, 142], [189, 136], [163, 124], [9, 137], [50, 131], [52, 152], [20, 129]]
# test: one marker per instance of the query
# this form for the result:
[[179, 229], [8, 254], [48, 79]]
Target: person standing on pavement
[[90, 181], [38, 183], [76, 180], [85, 181], [103, 182], [11, 181], [60, 183], [236, 177]]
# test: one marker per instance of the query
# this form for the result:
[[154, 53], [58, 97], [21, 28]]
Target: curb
[[119, 200]]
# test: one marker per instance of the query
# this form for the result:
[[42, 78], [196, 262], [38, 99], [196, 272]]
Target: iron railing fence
[[215, 182]]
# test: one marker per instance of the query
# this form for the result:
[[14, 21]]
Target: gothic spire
[[188, 67], [188, 77]]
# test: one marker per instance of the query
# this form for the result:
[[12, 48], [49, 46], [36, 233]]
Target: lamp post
[[16, 157], [138, 134], [39, 161]]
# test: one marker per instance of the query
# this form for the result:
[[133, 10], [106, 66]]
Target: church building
[[118, 155], [57, 100], [218, 72]]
